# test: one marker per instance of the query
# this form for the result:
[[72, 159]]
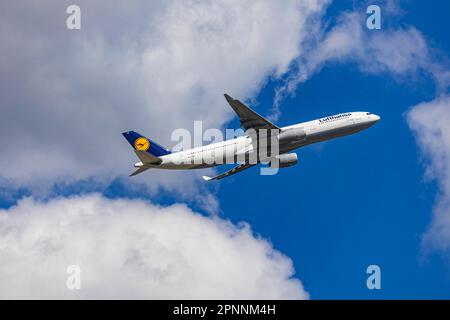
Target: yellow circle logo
[[142, 144]]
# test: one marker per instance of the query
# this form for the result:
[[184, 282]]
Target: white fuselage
[[230, 151]]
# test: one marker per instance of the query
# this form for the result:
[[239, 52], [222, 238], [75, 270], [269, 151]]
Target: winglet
[[249, 118], [229, 99], [206, 178]]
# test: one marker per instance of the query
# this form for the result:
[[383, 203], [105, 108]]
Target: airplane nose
[[371, 119]]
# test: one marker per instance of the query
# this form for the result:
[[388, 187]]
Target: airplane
[[244, 150]]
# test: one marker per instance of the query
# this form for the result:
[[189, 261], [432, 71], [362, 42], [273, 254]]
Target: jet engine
[[284, 160]]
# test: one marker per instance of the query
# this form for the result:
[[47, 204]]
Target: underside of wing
[[249, 118], [230, 172]]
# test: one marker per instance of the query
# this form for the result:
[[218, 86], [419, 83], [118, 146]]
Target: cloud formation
[[135, 250], [429, 122], [151, 66], [402, 53]]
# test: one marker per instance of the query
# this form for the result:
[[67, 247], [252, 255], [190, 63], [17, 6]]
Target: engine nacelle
[[285, 160], [292, 136]]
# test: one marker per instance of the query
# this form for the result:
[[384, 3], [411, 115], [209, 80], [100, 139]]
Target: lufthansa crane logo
[[142, 144]]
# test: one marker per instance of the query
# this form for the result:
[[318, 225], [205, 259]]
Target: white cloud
[[429, 122], [134, 249], [402, 53], [396, 51], [152, 66]]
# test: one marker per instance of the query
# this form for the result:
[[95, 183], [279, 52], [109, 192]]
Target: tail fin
[[139, 142]]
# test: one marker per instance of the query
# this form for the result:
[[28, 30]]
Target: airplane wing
[[249, 118], [230, 172]]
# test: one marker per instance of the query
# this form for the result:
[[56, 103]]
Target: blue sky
[[354, 201], [350, 202]]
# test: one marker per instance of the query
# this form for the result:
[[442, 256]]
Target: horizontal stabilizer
[[147, 158], [139, 170]]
